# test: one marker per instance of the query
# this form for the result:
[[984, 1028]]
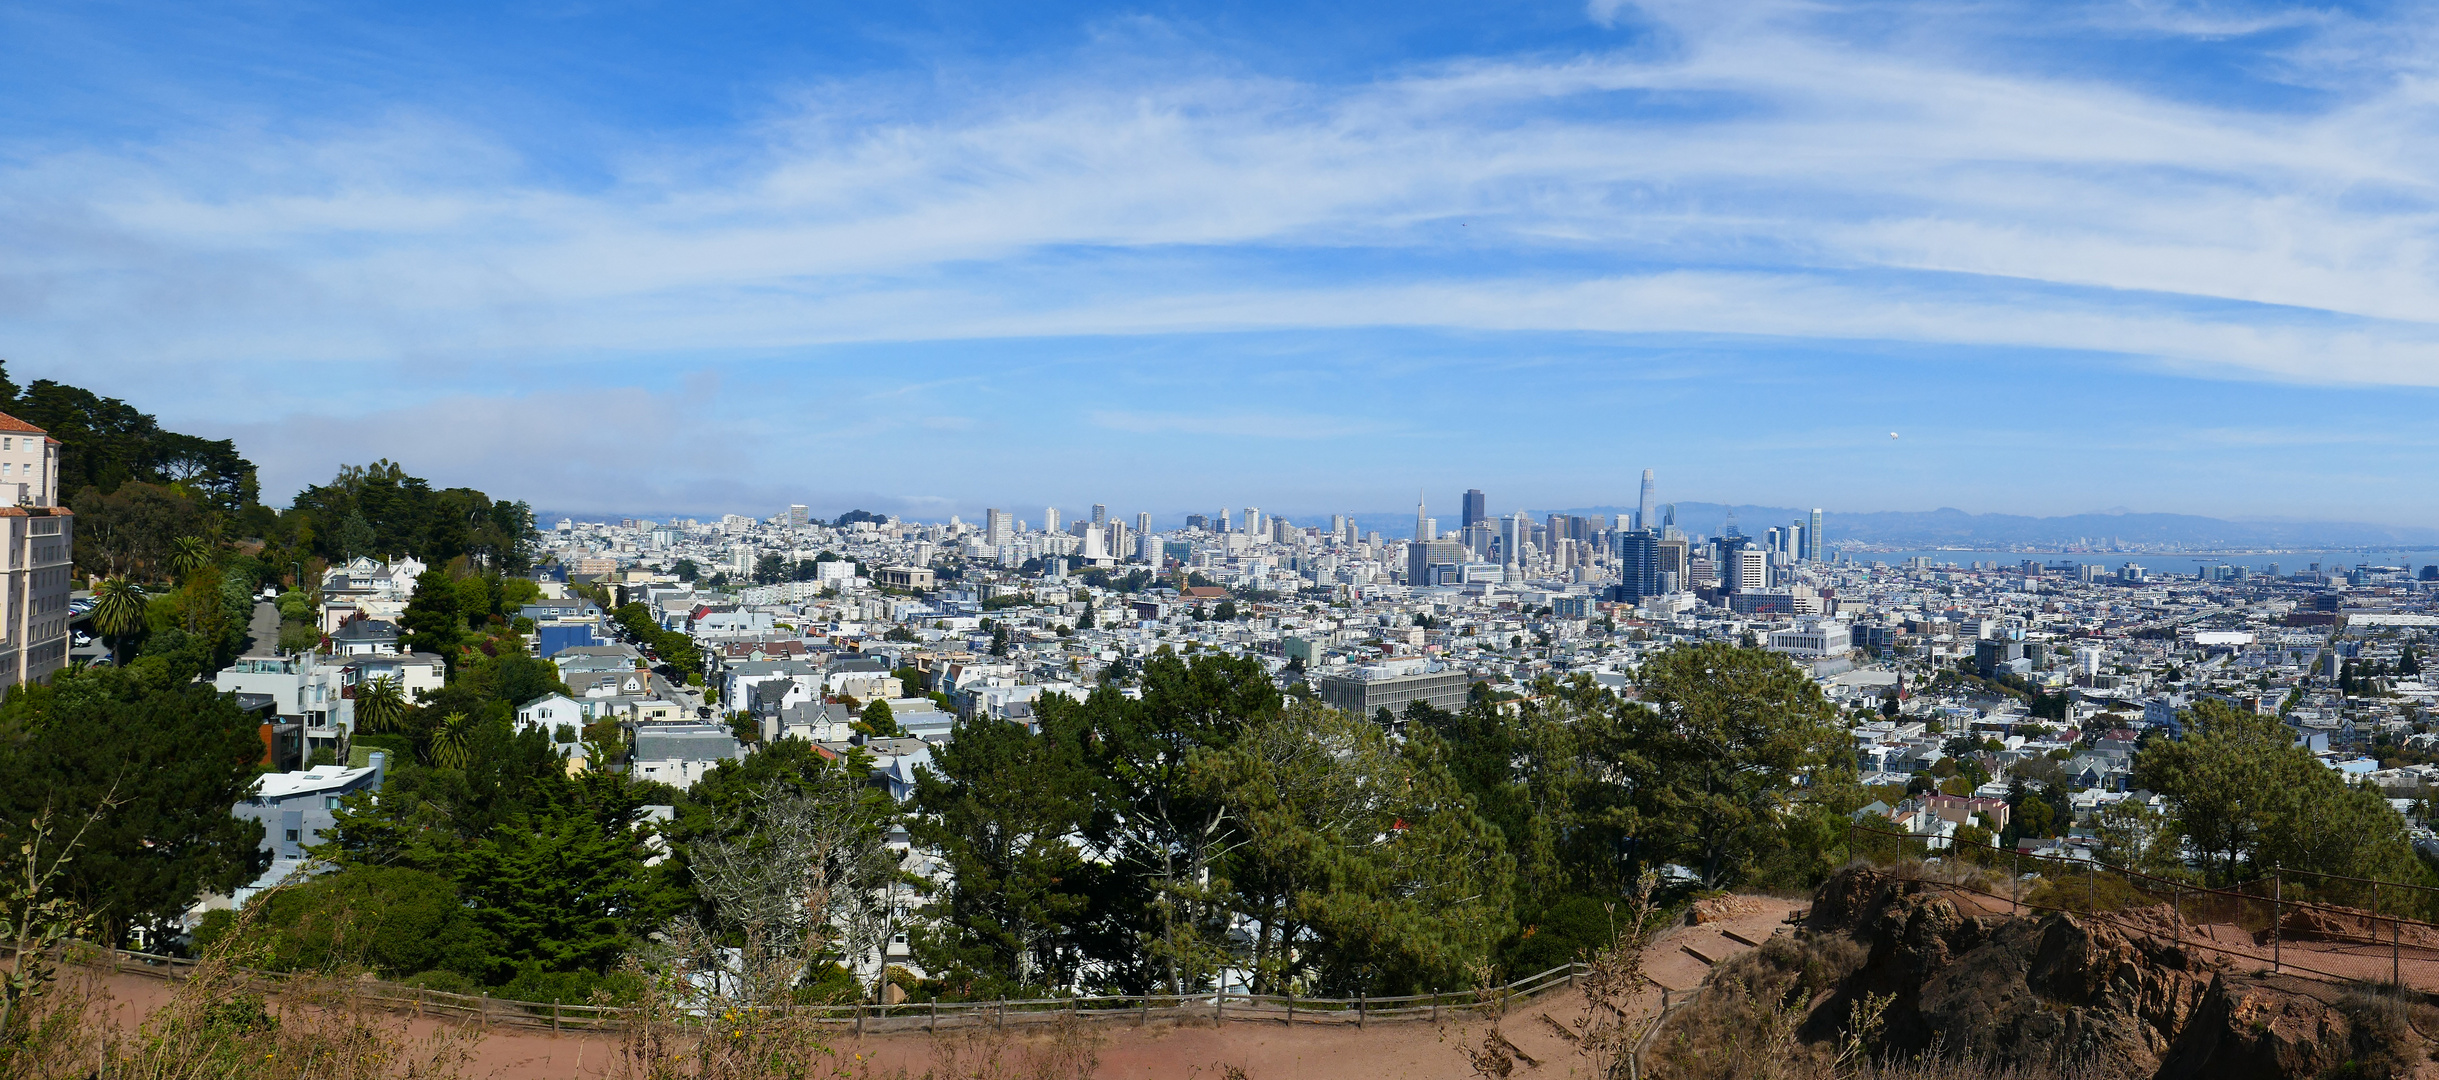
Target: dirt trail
[[1678, 960], [1263, 1049]]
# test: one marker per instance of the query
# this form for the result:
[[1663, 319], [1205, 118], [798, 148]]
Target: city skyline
[[705, 259]]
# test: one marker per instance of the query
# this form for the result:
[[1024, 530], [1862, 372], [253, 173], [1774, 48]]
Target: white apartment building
[[36, 546]]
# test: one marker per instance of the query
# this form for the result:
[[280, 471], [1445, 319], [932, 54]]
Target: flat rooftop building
[[1392, 686]]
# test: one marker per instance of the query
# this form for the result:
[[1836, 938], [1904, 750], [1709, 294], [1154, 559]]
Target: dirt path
[[1678, 960], [1262, 1049]]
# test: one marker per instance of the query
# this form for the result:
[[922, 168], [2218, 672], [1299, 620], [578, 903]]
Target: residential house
[[680, 753], [297, 810]]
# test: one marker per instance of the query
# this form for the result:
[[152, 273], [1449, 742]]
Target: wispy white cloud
[[1738, 170], [1793, 150]]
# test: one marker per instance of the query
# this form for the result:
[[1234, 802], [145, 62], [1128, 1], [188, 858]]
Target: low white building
[[551, 712], [1813, 637]]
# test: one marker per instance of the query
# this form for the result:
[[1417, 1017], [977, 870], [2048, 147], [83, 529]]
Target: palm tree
[[448, 746], [118, 612], [188, 554], [380, 705]]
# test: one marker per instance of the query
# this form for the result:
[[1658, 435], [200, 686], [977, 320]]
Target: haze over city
[[926, 259]]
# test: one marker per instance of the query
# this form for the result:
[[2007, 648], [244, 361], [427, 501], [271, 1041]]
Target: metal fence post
[[2091, 887], [2015, 881], [2278, 917], [1144, 1018], [2396, 934]]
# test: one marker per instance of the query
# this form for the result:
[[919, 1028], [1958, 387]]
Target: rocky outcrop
[[2036, 992]]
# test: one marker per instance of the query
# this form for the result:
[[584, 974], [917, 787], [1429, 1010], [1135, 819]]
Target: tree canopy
[[2245, 798]]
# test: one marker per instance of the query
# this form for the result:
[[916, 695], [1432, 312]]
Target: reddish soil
[[1262, 1049], [1678, 960]]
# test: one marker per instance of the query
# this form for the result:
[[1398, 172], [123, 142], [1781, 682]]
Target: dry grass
[[1067, 1049], [2386, 1040]]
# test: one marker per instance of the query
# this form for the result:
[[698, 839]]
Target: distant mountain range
[[1955, 528], [1944, 527]]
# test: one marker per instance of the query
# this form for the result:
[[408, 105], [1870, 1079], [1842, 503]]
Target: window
[[292, 836], [330, 802]]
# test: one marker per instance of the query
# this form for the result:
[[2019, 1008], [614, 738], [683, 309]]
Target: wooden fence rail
[[1225, 1006]]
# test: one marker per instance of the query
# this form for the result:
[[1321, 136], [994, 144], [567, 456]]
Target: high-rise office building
[[1253, 520], [1421, 523], [1812, 537], [1100, 514], [798, 516], [1423, 557], [1643, 509], [1477, 508], [1143, 524], [1639, 564], [1478, 538], [996, 530], [1227, 520], [1050, 520], [1514, 533], [1743, 565]]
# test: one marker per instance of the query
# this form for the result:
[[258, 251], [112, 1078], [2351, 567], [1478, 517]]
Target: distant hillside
[[1955, 528]]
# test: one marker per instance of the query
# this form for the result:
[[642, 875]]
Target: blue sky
[[927, 257]]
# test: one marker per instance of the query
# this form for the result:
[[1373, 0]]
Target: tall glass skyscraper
[[1639, 564], [1642, 518], [1477, 508]]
